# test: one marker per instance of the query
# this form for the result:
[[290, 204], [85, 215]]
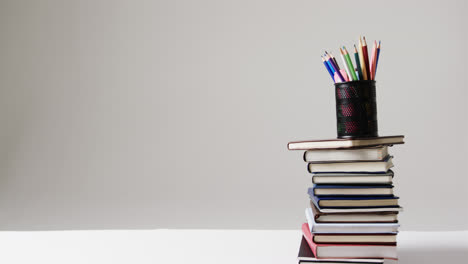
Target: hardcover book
[[345, 143], [353, 217], [305, 255], [380, 166], [355, 238], [345, 228], [356, 154], [352, 178], [353, 201], [346, 250], [352, 190]]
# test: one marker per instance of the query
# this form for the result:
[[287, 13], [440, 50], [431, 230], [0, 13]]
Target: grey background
[[176, 114]]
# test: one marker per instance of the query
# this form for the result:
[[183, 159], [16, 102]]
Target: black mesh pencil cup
[[356, 109]]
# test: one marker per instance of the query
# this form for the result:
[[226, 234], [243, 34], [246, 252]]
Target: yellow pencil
[[361, 61]]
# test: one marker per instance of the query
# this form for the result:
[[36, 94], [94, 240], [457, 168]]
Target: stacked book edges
[[353, 213]]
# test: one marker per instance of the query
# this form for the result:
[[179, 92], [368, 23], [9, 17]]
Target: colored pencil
[[358, 66], [357, 74], [365, 69], [328, 63], [328, 68], [366, 57], [373, 60], [334, 67], [334, 60], [336, 63], [350, 64], [362, 61], [345, 75], [346, 66], [377, 61]]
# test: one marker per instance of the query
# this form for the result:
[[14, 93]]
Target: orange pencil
[[373, 60]]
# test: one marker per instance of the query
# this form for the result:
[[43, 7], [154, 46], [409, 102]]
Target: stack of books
[[353, 213]]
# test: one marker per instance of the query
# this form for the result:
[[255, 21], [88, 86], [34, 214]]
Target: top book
[[339, 143]]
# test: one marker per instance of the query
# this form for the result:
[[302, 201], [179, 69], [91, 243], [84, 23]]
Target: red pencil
[[366, 58]]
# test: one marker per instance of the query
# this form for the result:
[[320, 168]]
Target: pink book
[[348, 250]]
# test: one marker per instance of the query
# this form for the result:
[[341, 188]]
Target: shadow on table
[[432, 255]]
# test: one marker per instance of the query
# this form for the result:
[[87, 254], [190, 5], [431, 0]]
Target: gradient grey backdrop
[[176, 114]]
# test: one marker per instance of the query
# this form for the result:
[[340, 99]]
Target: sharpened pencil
[[362, 61], [334, 67], [373, 60], [377, 61], [328, 68], [350, 64], [358, 65], [366, 57], [325, 56], [334, 60], [346, 66]]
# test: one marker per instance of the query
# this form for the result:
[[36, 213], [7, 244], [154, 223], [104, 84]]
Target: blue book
[[351, 190], [343, 202]]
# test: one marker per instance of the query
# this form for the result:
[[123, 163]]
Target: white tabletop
[[201, 246]]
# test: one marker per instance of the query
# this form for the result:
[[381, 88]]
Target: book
[[372, 153], [353, 217], [345, 228], [305, 255], [381, 239], [345, 143], [353, 201], [348, 250], [381, 166], [342, 190], [352, 178], [359, 210]]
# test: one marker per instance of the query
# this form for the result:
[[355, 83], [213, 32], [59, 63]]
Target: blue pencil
[[329, 65], [377, 60], [330, 71]]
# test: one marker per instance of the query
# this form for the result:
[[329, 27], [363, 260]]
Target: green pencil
[[350, 64], [356, 58]]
